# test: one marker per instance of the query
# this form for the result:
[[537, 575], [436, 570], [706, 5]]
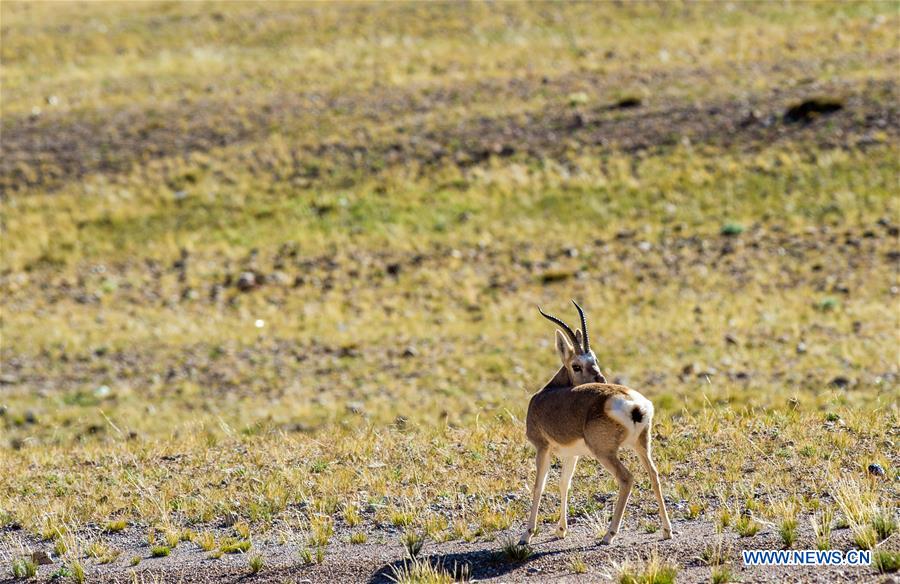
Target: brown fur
[[573, 420], [564, 412]]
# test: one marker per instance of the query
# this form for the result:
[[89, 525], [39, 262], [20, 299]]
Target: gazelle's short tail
[[633, 411]]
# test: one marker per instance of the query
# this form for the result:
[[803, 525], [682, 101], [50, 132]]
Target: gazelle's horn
[[587, 340], [563, 326]]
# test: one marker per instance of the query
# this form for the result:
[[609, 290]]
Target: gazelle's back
[[578, 414], [558, 416]]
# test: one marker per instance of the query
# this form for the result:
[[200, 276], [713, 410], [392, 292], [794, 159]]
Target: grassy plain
[[269, 275]]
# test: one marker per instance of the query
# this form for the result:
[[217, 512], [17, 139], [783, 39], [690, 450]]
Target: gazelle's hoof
[[608, 539], [526, 538], [667, 534], [561, 532]]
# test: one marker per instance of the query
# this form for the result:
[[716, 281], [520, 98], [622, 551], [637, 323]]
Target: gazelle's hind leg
[[642, 447], [603, 437], [542, 462], [565, 481], [612, 463]]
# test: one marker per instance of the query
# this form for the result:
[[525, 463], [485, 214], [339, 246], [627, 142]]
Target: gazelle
[[578, 414]]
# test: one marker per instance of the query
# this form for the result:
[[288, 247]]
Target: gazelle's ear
[[578, 337], [564, 347]]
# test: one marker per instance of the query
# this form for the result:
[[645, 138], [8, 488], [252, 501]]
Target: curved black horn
[[562, 325], [587, 340]]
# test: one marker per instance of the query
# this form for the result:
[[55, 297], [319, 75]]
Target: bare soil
[[49, 149], [832, 261], [483, 561]]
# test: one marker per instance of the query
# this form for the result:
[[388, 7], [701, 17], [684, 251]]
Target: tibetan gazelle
[[578, 414]]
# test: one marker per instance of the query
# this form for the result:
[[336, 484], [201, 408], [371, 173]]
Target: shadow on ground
[[473, 565]]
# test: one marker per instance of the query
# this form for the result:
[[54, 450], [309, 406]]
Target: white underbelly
[[577, 448]]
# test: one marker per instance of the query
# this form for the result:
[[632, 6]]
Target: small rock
[[348, 351], [840, 289], [393, 269], [230, 519], [840, 382], [41, 558], [801, 348], [628, 102], [355, 407], [876, 470], [409, 352], [278, 277], [698, 370], [551, 276], [808, 110], [246, 282], [731, 339]]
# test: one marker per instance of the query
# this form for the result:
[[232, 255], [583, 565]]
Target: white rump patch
[[620, 408]]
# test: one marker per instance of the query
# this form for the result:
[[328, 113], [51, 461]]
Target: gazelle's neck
[[561, 379]]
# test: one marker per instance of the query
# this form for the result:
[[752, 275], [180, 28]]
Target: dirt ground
[[64, 148], [550, 560], [144, 237]]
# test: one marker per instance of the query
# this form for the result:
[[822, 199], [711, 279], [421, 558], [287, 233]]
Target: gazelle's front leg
[[542, 462], [565, 481]]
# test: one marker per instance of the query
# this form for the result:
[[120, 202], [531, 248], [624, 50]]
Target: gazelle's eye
[[576, 368]]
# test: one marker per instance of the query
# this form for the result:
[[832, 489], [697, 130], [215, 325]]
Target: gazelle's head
[[574, 349]]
